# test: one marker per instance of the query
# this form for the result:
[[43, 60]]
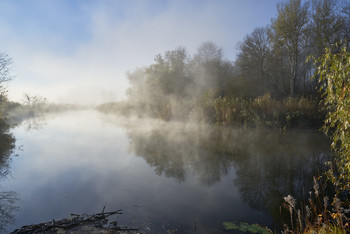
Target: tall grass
[[228, 111], [264, 111], [321, 214]]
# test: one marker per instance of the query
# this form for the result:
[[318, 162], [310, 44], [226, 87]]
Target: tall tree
[[5, 67], [328, 24], [208, 53], [5, 63], [346, 31], [288, 30], [170, 72], [136, 91], [253, 56], [209, 69]]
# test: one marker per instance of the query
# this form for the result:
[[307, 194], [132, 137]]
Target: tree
[[208, 53], [328, 24], [334, 77], [163, 84], [288, 31], [252, 58], [346, 31], [178, 73], [7, 144], [210, 70], [5, 76], [5, 63], [136, 92], [169, 74]]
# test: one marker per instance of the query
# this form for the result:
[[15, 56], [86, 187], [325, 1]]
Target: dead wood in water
[[95, 223]]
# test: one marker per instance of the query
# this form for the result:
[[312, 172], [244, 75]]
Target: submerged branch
[[78, 223]]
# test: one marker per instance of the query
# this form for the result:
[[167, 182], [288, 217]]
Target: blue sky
[[79, 50]]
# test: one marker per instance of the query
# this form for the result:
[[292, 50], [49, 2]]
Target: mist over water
[[190, 116], [164, 175]]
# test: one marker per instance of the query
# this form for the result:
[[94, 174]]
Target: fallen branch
[[97, 222]]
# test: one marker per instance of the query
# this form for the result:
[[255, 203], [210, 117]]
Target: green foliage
[[334, 78], [245, 227], [320, 216]]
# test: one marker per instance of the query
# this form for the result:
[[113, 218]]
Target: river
[[183, 177]]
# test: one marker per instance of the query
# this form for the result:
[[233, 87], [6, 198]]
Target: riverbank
[[263, 111]]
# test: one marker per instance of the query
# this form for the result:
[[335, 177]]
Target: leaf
[[230, 226], [245, 227]]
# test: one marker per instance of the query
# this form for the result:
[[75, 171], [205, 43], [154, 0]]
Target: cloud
[[117, 36]]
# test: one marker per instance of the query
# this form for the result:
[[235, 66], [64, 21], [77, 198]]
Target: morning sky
[[79, 50]]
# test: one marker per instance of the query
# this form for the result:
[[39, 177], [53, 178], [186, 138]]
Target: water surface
[[164, 175]]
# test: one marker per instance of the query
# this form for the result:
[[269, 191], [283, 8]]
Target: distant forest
[[271, 82]]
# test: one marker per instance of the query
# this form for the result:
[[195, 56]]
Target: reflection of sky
[[77, 163]]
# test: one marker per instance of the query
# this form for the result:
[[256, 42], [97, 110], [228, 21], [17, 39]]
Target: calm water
[[165, 176]]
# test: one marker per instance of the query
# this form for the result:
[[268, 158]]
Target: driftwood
[[95, 223]]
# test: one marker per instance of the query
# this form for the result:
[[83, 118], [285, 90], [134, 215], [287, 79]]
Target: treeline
[[5, 76], [8, 108], [31, 106], [273, 58], [270, 82]]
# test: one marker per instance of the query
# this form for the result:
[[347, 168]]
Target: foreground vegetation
[[324, 213]]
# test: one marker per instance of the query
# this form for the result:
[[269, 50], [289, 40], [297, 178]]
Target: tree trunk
[[291, 79]]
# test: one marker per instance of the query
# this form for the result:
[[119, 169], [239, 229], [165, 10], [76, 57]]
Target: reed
[[318, 215]]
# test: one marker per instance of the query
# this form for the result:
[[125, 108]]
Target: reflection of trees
[[7, 206], [29, 118], [34, 123], [7, 199], [269, 164], [174, 153], [7, 144], [278, 165]]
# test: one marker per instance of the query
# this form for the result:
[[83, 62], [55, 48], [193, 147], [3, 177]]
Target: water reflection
[[7, 198], [207, 175], [29, 120], [278, 164], [7, 207], [175, 151], [268, 164]]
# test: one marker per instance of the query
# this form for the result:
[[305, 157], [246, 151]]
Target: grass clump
[[319, 215]]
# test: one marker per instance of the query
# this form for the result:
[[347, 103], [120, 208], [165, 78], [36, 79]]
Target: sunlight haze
[[79, 51]]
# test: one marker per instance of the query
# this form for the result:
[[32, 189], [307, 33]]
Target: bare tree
[[210, 70], [33, 101], [328, 24], [208, 52], [5, 64], [253, 56], [288, 31]]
